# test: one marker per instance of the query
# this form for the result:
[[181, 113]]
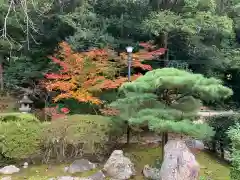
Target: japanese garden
[[119, 89]]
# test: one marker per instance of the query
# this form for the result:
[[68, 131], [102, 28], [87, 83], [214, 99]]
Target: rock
[[151, 173], [65, 169], [9, 169], [97, 176], [81, 165], [195, 144], [65, 178], [203, 167], [6, 178], [179, 163], [119, 167], [25, 165]]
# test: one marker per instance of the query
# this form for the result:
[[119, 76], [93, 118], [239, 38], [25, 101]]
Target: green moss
[[210, 166]]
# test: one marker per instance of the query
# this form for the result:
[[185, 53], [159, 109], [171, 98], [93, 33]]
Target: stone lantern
[[25, 104]]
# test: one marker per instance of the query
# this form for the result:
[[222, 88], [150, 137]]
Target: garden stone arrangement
[[117, 167], [179, 163]]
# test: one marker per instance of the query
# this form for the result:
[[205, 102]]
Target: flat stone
[[65, 178], [97, 176], [11, 169], [79, 166]]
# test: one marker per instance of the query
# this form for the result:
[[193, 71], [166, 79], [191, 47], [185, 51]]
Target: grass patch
[[210, 166]]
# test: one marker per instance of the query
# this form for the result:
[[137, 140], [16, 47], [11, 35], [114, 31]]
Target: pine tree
[[167, 100]]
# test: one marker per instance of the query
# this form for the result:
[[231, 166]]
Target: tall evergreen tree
[[167, 100]]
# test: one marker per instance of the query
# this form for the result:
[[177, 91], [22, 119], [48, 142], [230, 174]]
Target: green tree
[[221, 126], [196, 28], [29, 32], [167, 100]]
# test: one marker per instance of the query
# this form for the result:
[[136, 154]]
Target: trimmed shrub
[[220, 125], [77, 136], [7, 103], [27, 117], [20, 140], [234, 134]]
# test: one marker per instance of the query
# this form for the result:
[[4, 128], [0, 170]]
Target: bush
[[221, 125], [5, 117], [20, 140], [7, 103], [234, 134], [77, 136]]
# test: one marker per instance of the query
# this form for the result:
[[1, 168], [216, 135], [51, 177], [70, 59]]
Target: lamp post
[[129, 51]]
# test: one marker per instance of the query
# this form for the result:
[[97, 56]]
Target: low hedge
[[4, 117], [20, 140], [60, 140], [78, 135]]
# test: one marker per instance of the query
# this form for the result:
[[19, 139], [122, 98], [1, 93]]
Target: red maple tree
[[83, 75]]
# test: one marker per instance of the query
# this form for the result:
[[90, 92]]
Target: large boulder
[[179, 163], [11, 169], [79, 166], [119, 167]]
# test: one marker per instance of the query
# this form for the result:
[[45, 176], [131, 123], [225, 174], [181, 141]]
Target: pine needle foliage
[[167, 100]]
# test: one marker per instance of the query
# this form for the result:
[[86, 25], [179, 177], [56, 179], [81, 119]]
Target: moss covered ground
[[140, 155]]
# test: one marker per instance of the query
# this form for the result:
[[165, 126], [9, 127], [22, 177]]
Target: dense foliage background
[[205, 34]]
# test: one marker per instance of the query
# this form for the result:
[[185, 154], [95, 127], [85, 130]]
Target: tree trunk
[[165, 39], [221, 149], [1, 76], [163, 144], [214, 146], [128, 134], [165, 138]]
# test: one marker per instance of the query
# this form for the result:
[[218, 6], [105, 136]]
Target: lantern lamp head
[[25, 103], [129, 49]]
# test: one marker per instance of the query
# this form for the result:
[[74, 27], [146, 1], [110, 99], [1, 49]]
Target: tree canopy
[[167, 100]]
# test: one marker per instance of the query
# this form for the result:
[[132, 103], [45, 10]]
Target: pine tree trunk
[[1, 76], [165, 39], [221, 149], [128, 134], [214, 145], [163, 144], [165, 138]]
